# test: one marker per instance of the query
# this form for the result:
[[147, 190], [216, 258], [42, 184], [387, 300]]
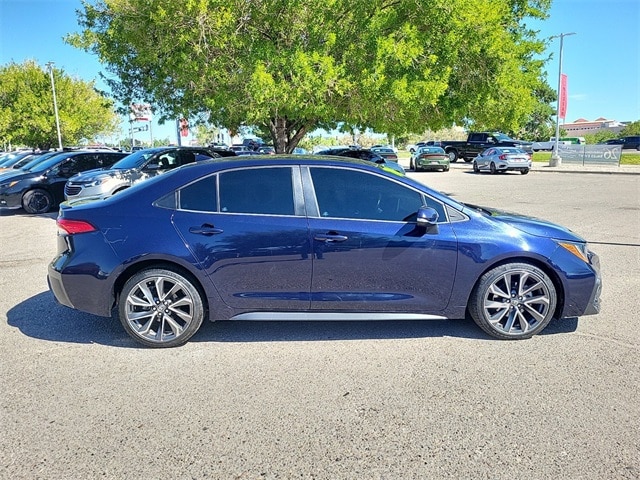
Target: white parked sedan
[[502, 159]]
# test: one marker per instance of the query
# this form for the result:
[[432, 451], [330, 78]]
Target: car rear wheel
[[160, 308], [476, 169], [37, 201], [524, 171], [493, 168], [513, 301]]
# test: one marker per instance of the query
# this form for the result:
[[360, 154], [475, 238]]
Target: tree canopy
[[27, 114], [291, 66]]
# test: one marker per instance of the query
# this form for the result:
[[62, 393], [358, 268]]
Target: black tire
[[476, 169], [445, 169], [160, 308], [492, 168], [453, 155], [411, 165], [37, 201], [524, 171], [514, 301]]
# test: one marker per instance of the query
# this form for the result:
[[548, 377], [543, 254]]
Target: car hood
[[15, 175], [91, 175], [530, 225]]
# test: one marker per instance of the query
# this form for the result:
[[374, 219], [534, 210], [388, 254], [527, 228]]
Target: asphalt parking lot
[[357, 400]]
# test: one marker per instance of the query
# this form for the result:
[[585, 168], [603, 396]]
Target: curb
[[629, 170]]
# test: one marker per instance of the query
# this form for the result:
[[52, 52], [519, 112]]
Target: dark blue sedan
[[308, 237]]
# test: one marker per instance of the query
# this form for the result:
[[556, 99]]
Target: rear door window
[[263, 191]]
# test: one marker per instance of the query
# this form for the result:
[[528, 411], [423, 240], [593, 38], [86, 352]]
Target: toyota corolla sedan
[[502, 159], [307, 237]]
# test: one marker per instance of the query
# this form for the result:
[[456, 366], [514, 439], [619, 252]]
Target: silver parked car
[[133, 168], [502, 159]]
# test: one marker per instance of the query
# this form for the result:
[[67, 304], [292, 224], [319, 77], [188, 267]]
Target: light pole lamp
[[556, 160], [55, 103]]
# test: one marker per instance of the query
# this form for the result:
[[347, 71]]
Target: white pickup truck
[[548, 146]]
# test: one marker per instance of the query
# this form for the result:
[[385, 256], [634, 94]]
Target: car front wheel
[[37, 201], [160, 308], [513, 301]]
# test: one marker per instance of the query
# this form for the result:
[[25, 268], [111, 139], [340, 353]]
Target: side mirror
[[427, 216]]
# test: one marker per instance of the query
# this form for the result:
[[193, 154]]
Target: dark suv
[[41, 188], [631, 142]]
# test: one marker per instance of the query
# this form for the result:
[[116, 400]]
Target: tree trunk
[[287, 134]]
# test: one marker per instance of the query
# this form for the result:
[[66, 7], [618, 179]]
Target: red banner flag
[[562, 99]]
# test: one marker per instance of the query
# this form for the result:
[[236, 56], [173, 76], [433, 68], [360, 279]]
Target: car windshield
[[383, 150], [34, 161], [135, 160], [501, 137], [47, 163], [510, 150]]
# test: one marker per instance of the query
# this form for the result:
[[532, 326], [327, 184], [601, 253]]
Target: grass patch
[[631, 158]]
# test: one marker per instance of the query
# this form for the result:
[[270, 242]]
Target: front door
[[369, 254]]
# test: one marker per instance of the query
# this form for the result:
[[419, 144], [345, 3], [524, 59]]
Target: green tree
[[631, 129], [540, 123], [27, 114], [291, 66]]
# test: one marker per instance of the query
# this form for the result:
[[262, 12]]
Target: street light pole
[[556, 160], [55, 103]]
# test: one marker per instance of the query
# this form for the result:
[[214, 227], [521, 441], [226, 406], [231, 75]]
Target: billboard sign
[[140, 112]]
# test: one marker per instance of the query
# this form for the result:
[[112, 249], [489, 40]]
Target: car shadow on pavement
[[43, 318], [274, 331]]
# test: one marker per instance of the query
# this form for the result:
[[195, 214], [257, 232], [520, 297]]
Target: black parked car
[[362, 154], [41, 188]]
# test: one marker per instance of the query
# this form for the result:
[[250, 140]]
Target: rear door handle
[[330, 237], [206, 229]]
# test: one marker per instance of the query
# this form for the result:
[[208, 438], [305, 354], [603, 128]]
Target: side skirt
[[331, 316]]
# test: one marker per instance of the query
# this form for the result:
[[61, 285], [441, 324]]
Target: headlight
[[97, 181], [580, 250], [9, 184]]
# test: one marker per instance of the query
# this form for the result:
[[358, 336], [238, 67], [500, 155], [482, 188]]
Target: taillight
[[503, 157], [74, 226]]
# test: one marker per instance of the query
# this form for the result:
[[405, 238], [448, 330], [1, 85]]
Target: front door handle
[[205, 229]]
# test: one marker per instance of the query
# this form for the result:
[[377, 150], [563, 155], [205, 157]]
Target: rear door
[[248, 230]]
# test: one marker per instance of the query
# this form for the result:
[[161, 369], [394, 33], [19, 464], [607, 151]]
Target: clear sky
[[602, 61]]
